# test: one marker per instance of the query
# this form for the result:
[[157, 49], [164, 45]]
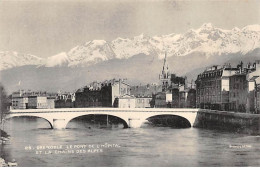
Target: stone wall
[[230, 121]]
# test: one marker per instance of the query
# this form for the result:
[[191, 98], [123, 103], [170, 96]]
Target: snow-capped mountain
[[57, 60], [207, 40], [91, 52], [13, 59]]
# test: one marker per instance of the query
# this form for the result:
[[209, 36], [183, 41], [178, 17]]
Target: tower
[[165, 76]]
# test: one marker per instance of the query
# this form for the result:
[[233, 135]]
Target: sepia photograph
[[129, 83]]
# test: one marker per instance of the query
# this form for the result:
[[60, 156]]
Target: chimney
[[257, 64]]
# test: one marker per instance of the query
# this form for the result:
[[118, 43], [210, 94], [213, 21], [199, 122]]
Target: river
[[115, 146]]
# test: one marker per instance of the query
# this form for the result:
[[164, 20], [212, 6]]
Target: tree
[[3, 103]]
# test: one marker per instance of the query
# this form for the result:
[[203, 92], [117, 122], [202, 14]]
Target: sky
[[48, 27]]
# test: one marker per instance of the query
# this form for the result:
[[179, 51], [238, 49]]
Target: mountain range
[[138, 58]]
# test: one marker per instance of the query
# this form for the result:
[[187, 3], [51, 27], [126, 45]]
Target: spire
[[164, 62], [165, 75]]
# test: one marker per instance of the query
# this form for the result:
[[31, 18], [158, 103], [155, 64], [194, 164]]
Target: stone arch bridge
[[133, 117]]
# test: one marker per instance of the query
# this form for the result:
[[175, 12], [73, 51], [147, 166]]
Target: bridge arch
[[124, 119], [177, 120], [190, 116], [18, 116]]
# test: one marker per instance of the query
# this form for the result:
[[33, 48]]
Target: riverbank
[[3, 136], [3, 163], [230, 121]]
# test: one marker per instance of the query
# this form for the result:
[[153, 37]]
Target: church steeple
[[165, 65], [165, 75]]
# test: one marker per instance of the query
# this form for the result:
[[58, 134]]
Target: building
[[175, 98], [101, 94], [212, 87], [64, 103], [37, 102], [112, 89], [32, 100], [191, 98], [41, 102], [144, 93], [19, 101], [125, 101], [253, 88], [88, 97], [145, 90], [244, 88], [184, 97], [51, 102], [65, 100], [119, 88], [257, 102], [238, 92], [143, 101], [160, 100]]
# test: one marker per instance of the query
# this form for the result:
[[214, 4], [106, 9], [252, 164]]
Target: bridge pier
[[59, 124], [135, 122]]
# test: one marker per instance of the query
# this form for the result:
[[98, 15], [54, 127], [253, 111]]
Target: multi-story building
[[212, 87], [183, 97], [51, 102], [160, 100], [238, 94], [145, 90], [65, 100], [257, 102], [103, 95], [125, 101], [144, 93], [143, 101], [118, 88], [191, 98], [19, 101], [88, 97], [32, 100], [37, 102], [243, 88]]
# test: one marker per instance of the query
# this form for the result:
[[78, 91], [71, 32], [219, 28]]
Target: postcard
[[144, 83]]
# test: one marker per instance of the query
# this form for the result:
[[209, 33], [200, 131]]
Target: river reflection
[[146, 146]]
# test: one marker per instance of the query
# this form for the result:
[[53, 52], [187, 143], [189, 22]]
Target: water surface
[[146, 146]]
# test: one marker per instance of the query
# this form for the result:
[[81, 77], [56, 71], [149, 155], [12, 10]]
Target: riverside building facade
[[22, 99], [230, 88], [212, 87], [244, 88]]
